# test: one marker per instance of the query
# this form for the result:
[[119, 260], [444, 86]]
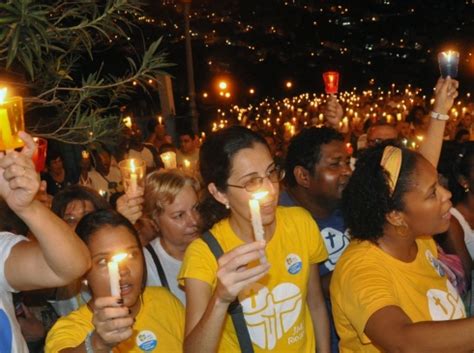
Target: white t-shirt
[[468, 231], [145, 154], [11, 339], [171, 267]]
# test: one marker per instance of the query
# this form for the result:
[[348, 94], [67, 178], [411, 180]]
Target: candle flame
[[259, 195], [3, 94], [186, 163], [132, 166], [119, 257]]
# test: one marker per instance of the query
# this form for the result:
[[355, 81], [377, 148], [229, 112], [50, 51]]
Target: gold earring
[[402, 231]]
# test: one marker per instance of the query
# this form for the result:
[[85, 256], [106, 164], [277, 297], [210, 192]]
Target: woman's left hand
[[131, 206]]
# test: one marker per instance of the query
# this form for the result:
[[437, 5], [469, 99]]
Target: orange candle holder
[[11, 121], [331, 82]]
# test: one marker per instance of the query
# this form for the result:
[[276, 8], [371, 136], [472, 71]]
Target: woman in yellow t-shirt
[[138, 319], [389, 291], [276, 279]]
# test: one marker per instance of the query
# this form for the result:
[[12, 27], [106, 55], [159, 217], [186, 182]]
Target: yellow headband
[[392, 162]]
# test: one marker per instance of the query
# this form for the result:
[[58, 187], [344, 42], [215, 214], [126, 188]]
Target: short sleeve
[[364, 289], [316, 247], [66, 333], [7, 242], [199, 263]]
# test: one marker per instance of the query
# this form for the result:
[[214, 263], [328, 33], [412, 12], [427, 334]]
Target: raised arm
[[58, 256], [445, 94]]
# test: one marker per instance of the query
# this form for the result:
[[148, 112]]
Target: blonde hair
[[162, 187]]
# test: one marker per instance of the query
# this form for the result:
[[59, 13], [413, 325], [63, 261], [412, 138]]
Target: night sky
[[263, 44]]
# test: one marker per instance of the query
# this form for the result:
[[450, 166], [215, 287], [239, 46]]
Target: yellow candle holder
[[11, 121], [133, 175]]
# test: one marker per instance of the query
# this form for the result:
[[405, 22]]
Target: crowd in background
[[331, 156]]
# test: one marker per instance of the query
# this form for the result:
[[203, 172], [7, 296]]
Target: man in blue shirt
[[317, 171]]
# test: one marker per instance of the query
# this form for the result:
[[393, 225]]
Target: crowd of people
[[362, 240]]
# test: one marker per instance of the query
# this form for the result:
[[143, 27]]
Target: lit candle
[[160, 120], [448, 63], [128, 122], [5, 128], [85, 154], [331, 82], [114, 274], [169, 159], [186, 164], [256, 218], [132, 189]]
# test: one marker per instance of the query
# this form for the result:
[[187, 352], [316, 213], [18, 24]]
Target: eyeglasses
[[275, 175]]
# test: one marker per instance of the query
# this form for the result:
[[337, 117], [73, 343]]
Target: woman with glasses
[[276, 280]]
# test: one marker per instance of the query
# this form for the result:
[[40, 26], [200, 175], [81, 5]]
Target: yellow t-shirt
[[159, 326], [367, 279], [275, 308]]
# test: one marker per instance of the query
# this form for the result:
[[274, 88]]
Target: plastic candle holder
[[448, 63], [331, 82], [169, 159], [11, 121], [39, 156], [133, 175]]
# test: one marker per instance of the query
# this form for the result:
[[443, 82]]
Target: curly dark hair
[[215, 164], [305, 150], [366, 200]]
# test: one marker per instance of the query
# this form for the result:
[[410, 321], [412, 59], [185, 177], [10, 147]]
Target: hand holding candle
[[256, 218], [114, 274]]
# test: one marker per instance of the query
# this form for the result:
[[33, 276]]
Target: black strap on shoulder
[[159, 267], [235, 309]]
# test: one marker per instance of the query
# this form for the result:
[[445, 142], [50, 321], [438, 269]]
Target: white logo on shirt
[[445, 305], [335, 242], [271, 314]]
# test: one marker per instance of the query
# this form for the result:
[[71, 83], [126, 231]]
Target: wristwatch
[[439, 116]]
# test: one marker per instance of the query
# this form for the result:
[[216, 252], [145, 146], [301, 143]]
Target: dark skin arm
[[392, 330]]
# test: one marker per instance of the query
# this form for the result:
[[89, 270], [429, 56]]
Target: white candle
[[128, 122], [132, 188], [114, 274], [256, 218], [169, 159]]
